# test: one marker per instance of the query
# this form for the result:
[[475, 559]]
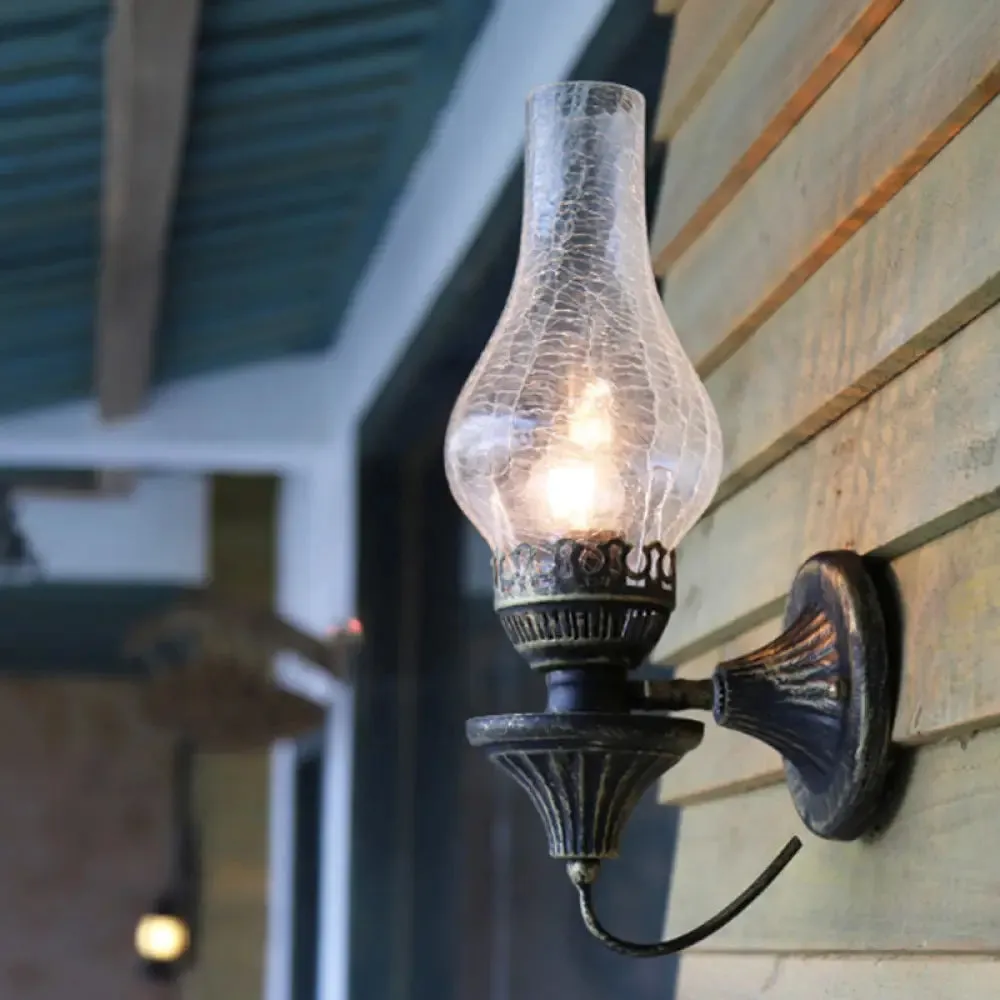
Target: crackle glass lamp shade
[[161, 938], [584, 421]]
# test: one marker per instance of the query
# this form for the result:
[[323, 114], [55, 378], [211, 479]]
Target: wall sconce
[[165, 934], [583, 448], [163, 939]]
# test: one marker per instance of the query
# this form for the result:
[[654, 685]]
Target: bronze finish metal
[[584, 771], [587, 612], [822, 696], [587, 602]]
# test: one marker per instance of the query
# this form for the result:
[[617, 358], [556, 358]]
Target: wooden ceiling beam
[[149, 60]]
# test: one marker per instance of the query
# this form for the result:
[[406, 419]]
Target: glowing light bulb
[[590, 423], [580, 484], [583, 418], [161, 937], [571, 493]]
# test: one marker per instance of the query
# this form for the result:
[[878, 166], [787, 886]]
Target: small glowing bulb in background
[[584, 417], [161, 937], [353, 627]]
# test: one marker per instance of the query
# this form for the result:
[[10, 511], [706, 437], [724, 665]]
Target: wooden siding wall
[[829, 232]]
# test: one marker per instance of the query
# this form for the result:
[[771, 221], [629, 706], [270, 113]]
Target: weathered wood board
[[929, 883], [918, 458], [707, 34], [763, 89], [840, 977], [921, 78], [928, 263]]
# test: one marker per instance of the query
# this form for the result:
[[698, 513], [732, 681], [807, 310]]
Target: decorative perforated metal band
[[573, 568]]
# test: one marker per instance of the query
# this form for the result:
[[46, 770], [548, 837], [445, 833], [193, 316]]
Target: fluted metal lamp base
[[584, 771]]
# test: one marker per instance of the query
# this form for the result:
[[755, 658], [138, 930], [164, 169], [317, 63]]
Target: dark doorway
[[306, 879]]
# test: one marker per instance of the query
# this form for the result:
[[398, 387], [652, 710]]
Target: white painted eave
[[259, 418], [158, 533]]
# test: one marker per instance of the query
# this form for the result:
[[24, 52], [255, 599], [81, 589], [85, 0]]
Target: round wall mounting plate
[[839, 800]]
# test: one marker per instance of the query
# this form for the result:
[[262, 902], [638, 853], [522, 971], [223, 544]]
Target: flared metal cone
[[584, 771]]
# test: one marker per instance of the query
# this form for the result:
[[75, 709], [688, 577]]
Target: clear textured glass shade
[[584, 418]]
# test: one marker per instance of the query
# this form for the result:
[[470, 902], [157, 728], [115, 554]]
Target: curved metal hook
[[583, 873]]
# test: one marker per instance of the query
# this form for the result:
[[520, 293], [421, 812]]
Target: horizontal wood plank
[[917, 459], [763, 89], [949, 682], [841, 977], [927, 264], [929, 883], [707, 34], [921, 78]]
